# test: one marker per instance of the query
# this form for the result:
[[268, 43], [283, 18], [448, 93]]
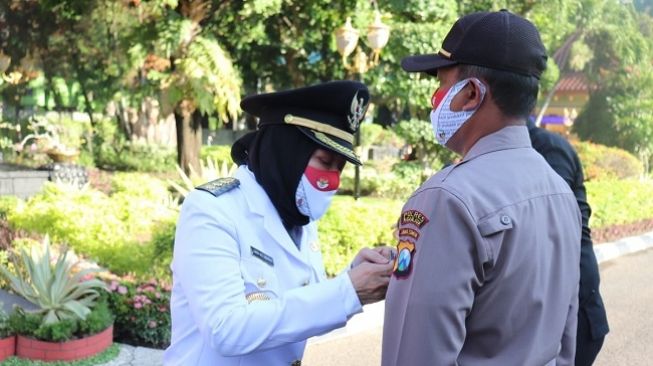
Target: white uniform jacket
[[243, 293]]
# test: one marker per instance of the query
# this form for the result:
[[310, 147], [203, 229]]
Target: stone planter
[[7, 347], [64, 351]]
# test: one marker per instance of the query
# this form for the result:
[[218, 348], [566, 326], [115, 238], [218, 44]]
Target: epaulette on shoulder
[[219, 186]]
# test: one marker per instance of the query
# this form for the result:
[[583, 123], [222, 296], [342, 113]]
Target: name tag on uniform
[[262, 256]]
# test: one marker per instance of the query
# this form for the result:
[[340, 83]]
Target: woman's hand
[[378, 255]]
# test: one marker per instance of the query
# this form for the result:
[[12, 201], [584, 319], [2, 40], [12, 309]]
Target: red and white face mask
[[446, 122], [315, 191]]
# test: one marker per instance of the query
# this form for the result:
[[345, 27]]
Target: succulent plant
[[54, 285]]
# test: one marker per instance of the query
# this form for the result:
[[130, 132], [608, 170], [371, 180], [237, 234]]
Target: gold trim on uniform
[[318, 126], [256, 296], [324, 138]]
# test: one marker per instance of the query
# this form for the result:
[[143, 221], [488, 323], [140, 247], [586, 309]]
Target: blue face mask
[[446, 122]]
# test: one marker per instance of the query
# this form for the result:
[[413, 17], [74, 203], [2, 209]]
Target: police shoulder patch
[[219, 186]]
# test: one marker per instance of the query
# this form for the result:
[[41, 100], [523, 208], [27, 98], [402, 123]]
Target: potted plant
[[72, 320], [7, 337]]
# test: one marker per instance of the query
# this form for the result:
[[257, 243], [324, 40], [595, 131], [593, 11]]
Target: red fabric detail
[[323, 180], [437, 97]]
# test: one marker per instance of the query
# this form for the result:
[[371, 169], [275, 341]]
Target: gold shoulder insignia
[[219, 186]]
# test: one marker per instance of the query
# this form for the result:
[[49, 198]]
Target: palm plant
[[54, 285]]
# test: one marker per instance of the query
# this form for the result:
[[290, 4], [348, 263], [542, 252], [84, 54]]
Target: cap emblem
[[358, 109]]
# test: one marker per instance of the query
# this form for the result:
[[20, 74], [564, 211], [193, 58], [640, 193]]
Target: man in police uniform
[[249, 285], [487, 265]]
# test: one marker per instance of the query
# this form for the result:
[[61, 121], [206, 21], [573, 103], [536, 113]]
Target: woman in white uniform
[[249, 285]]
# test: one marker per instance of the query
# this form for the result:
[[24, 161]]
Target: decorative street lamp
[[346, 42]]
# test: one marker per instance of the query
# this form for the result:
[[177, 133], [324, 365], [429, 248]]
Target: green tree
[[177, 58], [620, 109], [70, 43]]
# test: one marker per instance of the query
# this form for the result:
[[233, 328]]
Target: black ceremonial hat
[[498, 40], [328, 113]]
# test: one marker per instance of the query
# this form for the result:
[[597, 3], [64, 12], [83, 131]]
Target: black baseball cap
[[327, 113], [497, 40]]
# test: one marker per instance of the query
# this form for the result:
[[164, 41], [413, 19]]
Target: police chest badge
[[404, 260]]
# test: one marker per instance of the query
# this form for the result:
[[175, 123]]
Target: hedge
[[115, 230], [132, 229], [602, 162], [350, 225], [619, 201]]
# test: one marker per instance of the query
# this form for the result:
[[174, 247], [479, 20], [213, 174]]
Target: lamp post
[[346, 42]]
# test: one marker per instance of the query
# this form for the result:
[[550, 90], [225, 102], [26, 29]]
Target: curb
[[632, 244], [372, 315]]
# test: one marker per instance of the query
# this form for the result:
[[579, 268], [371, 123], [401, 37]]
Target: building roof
[[573, 82]]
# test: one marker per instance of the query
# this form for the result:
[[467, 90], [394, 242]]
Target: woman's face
[[327, 160]]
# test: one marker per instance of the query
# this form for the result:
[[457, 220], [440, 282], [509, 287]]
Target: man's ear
[[474, 95]]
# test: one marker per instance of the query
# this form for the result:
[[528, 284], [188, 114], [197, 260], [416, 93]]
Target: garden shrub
[[31, 325], [5, 328], [619, 201], [217, 153], [350, 225], [136, 157], [163, 238], [375, 134], [7, 204], [142, 312], [419, 135], [385, 179], [602, 162], [111, 151], [368, 180], [112, 230], [99, 319], [7, 235]]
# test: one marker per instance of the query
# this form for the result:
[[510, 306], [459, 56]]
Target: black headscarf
[[278, 156]]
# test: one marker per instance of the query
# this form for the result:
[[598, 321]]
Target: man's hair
[[513, 93]]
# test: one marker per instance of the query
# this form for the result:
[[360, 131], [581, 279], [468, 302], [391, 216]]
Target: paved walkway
[[361, 338], [137, 356], [628, 295]]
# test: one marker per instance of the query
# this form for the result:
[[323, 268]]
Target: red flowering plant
[[142, 311]]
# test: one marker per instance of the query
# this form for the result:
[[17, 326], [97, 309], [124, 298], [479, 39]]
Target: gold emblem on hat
[[358, 109]]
